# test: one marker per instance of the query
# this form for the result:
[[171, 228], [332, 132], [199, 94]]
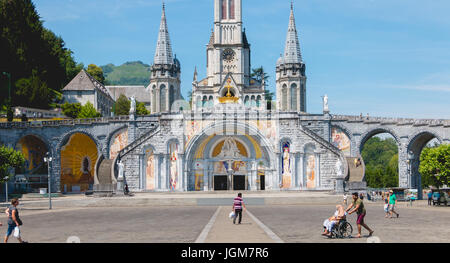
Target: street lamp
[[48, 159], [6, 187]]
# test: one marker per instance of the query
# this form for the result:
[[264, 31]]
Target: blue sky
[[388, 58]]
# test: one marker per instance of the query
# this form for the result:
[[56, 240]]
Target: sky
[[386, 58]]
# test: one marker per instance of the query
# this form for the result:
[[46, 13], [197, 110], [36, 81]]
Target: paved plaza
[[300, 223]]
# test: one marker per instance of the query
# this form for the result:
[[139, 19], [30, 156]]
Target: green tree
[[96, 72], [258, 74], [122, 106], [435, 165], [33, 92], [71, 110], [141, 110], [88, 112], [9, 161], [381, 159], [30, 51]]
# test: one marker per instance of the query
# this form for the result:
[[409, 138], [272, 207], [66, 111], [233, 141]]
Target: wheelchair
[[342, 230]]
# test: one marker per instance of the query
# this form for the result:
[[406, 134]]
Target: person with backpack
[[238, 206], [14, 221]]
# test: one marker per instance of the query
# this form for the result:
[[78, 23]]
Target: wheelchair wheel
[[346, 230]]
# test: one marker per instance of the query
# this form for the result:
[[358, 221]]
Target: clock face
[[228, 55]]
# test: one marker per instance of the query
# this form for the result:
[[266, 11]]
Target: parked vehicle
[[441, 196]]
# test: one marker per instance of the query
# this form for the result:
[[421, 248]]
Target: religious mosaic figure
[[230, 149], [286, 183], [311, 172], [173, 167], [150, 171]]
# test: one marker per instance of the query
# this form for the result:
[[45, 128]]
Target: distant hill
[[130, 73]]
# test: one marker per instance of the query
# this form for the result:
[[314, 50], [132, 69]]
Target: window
[[232, 9], [224, 9]]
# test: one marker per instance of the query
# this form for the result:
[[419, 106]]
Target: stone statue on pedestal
[[325, 104], [133, 105]]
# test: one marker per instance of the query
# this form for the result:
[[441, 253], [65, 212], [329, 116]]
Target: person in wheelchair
[[333, 221]]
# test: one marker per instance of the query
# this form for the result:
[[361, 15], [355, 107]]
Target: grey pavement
[[292, 217]]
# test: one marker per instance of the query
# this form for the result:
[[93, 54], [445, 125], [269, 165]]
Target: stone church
[[227, 139]]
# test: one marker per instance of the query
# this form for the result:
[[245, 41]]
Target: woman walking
[[13, 220]]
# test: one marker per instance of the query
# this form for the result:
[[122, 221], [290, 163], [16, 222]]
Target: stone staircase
[[356, 175], [155, 130]]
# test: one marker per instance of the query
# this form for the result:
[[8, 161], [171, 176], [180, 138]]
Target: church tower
[[165, 72], [228, 57], [290, 71]]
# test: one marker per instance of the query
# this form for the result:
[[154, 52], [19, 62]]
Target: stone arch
[[66, 136], [112, 137], [375, 131], [34, 148], [211, 130], [78, 161], [416, 143]]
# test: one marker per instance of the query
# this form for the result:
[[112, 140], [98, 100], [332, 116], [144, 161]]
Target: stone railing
[[155, 129], [66, 122], [395, 121]]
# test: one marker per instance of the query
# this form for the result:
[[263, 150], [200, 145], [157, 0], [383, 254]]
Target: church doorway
[[220, 183], [262, 182], [239, 182]]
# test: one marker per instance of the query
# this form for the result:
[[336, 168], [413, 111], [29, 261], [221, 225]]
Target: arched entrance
[[237, 161], [415, 146], [78, 158], [34, 150], [34, 174], [379, 152]]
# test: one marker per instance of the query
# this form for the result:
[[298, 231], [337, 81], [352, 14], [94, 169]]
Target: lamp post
[[6, 188], [48, 159]]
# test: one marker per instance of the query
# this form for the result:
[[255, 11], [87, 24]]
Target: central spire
[[163, 53], [292, 53]]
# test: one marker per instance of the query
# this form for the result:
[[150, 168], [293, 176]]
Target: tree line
[[35, 60]]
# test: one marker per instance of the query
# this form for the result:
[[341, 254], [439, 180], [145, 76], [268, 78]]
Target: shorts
[[391, 207], [10, 230], [360, 219]]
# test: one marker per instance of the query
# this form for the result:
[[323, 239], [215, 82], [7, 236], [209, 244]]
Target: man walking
[[392, 203], [238, 206], [358, 207], [430, 197]]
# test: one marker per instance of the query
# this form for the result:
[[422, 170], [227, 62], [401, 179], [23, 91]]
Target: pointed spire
[[195, 74], [163, 54], [292, 53]]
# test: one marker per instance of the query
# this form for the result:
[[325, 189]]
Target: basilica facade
[[227, 139]]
